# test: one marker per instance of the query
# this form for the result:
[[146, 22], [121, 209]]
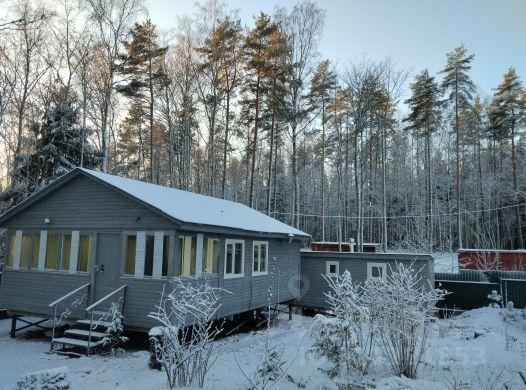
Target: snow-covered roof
[[192, 208]]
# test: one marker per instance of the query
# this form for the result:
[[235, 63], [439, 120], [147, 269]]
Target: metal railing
[[90, 311], [68, 311]]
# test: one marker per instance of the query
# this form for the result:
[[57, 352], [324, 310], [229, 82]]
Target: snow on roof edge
[[199, 209]]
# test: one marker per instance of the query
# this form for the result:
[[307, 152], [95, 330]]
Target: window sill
[[259, 273]]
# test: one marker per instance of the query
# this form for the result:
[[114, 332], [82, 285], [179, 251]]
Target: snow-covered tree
[[402, 307], [114, 335], [184, 339], [346, 339]]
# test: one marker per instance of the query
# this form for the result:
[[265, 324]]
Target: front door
[[106, 268]]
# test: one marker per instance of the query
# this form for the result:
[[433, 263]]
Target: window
[[84, 253], [376, 270], [129, 255], [166, 254], [260, 258], [332, 269], [210, 255], [52, 250], [29, 250], [58, 252], [65, 252], [148, 255], [187, 252], [234, 258], [11, 250]]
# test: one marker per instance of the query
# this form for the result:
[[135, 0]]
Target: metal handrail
[[92, 306], [67, 295], [54, 305]]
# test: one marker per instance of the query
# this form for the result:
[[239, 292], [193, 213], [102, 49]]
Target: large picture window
[[130, 254], [210, 255], [187, 251], [260, 258], [29, 251], [58, 252], [234, 258]]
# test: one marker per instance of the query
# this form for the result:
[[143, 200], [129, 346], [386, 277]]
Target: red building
[[507, 260]]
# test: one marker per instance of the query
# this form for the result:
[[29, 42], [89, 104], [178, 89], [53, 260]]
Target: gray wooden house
[[92, 233], [362, 266]]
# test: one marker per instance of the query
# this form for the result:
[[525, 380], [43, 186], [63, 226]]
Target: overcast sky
[[415, 33]]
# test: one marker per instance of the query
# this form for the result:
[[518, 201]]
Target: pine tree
[[506, 114], [323, 84], [424, 115], [143, 65], [56, 147], [460, 87], [257, 66]]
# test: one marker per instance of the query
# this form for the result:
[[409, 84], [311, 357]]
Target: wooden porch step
[[76, 342], [85, 333], [95, 322]]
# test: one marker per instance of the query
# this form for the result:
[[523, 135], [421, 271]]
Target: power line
[[402, 216]]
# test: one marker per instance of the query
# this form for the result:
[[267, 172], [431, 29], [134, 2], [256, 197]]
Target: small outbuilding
[[362, 266]]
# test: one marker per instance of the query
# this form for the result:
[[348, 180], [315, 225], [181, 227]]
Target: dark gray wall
[[313, 265], [247, 293], [83, 203], [32, 291]]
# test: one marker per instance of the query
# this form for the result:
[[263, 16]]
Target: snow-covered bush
[[495, 299], [114, 335], [346, 339], [402, 307], [53, 379], [183, 350]]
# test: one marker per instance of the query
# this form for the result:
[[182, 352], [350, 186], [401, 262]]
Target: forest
[[252, 113]]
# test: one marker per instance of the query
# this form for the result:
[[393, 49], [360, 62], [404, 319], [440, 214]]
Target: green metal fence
[[469, 289]]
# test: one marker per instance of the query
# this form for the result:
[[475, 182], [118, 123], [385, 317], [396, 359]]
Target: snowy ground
[[455, 355]]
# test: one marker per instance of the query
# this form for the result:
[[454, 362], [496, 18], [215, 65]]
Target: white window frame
[[232, 275], [259, 273], [370, 267], [328, 269]]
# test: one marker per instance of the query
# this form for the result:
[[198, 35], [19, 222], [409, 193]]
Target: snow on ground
[[469, 348]]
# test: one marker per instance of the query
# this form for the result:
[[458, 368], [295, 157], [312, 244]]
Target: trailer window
[[332, 269], [234, 258], [260, 258], [210, 255], [376, 270]]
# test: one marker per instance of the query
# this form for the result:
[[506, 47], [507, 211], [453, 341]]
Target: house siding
[[313, 266], [19, 288], [83, 203]]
